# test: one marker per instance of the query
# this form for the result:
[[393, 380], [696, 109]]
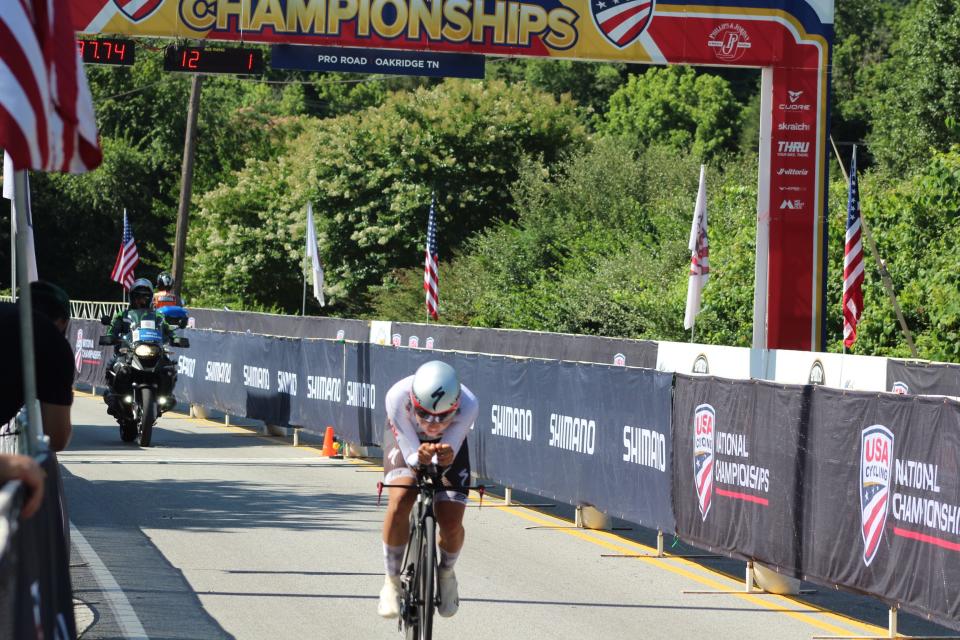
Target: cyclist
[[428, 417], [164, 296]]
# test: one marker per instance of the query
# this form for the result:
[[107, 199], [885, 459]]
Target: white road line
[[116, 599]]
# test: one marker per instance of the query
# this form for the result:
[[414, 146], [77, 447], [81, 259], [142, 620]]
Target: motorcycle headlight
[[147, 351]]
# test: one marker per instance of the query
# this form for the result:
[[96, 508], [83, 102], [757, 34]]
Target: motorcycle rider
[[141, 296]]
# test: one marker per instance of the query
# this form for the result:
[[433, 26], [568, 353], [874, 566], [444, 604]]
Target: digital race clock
[[106, 51], [206, 60]]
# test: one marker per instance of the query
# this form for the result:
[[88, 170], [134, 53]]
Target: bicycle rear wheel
[[428, 583]]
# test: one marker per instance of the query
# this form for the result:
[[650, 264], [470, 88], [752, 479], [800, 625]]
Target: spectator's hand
[[444, 455], [425, 452], [25, 469]]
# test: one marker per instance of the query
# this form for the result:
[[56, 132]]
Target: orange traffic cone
[[328, 449]]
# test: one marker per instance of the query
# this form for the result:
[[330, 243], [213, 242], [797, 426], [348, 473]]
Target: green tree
[[920, 82], [678, 107], [370, 176]]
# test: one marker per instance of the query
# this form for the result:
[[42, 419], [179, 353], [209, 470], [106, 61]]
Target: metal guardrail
[[87, 309]]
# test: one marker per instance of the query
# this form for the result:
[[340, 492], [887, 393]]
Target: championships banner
[[790, 39], [89, 359], [882, 499], [737, 468]]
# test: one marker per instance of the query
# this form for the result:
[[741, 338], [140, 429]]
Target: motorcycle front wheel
[[148, 415]]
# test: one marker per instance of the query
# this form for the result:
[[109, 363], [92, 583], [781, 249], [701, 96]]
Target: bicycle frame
[[418, 578]]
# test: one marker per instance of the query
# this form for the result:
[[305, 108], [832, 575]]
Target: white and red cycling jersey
[[405, 428]]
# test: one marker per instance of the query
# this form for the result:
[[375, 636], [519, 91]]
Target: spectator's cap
[[50, 300]]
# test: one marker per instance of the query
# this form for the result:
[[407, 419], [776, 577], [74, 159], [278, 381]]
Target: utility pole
[[186, 183]]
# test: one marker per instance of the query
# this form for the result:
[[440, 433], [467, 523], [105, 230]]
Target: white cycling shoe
[[389, 605], [449, 598]]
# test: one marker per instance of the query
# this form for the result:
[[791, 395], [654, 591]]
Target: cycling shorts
[[457, 474]]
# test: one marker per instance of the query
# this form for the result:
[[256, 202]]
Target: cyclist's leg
[[395, 524], [449, 508]]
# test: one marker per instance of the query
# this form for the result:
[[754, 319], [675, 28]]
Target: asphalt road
[[218, 532]]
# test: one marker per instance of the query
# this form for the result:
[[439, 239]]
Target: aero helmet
[[435, 389]]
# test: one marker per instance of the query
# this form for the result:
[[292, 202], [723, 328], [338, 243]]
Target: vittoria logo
[[620, 360], [413, 342], [816, 373], [729, 41], [621, 22], [429, 343], [900, 388], [704, 431], [700, 365], [340, 334], [792, 172], [876, 469], [137, 10], [396, 340]]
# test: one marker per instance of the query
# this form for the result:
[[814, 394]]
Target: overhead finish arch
[[789, 40]]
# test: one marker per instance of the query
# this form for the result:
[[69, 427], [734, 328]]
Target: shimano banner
[[923, 378], [738, 459], [530, 344], [882, 499], [320, 399], [596, 435]]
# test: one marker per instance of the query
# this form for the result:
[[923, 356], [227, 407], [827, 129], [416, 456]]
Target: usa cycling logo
[[396, 340], [704, 428], [900, 388], [621, 22], [620, 360], [78, 355], [137, 10], [876, 469]]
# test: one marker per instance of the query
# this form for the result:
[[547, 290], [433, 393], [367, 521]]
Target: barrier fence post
[[659, 543], [508, 496], [749, 577], [892, 627], [296, 437]]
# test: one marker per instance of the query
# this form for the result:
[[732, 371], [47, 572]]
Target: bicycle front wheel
[[428, 583]]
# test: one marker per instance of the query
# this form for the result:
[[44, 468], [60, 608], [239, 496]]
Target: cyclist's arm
[[456, 433], [401, 423]]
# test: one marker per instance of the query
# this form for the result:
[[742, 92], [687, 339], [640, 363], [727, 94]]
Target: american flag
[[46, 113], [127, 258], [852, 261], [430, 262]]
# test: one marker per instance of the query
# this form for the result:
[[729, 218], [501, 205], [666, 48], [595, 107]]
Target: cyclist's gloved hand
[[444, 455], [426, 452]]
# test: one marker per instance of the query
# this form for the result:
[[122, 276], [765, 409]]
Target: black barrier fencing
[[852, 489], [923, 378], [847, 489], [508, 342], [36, 596]]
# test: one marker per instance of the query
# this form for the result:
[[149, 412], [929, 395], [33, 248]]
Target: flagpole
[[34, 428], [881, 265], [303, 312]]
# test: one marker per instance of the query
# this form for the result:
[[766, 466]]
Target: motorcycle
[[143, 376]]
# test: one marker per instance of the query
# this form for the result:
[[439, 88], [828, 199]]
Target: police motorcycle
[[144, 374]]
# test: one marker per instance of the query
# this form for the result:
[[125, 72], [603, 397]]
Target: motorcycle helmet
[[435, 392], [141, 294], [165, 281]]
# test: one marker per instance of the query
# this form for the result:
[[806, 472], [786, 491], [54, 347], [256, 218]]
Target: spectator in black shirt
[[54, 362]]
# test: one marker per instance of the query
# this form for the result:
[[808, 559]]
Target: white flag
[[699, 253], [8, 194], [314, 256]]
